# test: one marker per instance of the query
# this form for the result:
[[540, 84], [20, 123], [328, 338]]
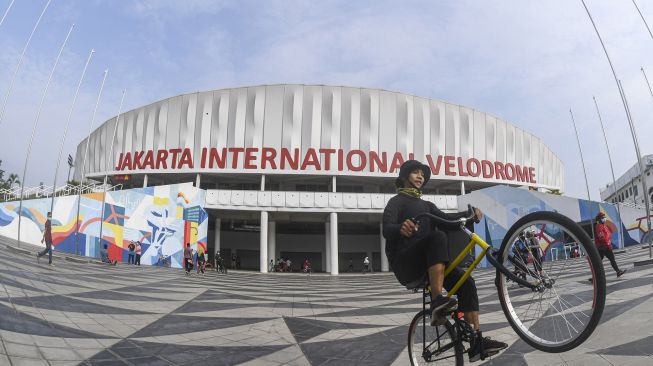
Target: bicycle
[[535, 309]]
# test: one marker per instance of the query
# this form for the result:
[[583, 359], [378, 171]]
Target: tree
[[10, 181]]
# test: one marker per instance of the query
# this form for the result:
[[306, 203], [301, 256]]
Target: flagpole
[[6, 12], [34, 126], [106, 165], [643, 19], [614, 180], [65, 131], [20, 61], [631, 124], [88, 142], [582, 161]]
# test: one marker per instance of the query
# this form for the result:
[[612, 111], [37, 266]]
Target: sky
[[526, 62]]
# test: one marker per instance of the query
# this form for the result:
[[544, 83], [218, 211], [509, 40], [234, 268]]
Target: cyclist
[[414, 250], [519, 256], [535, 249]]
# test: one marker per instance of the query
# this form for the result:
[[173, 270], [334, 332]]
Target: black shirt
[[402, 207]]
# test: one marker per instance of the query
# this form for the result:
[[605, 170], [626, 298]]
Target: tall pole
[[20, 61], [88, 142], [647, 204], [6, 12], [582, 161], [106, 164], [65, 131], [34, 126], [642, 169], [614, 180]]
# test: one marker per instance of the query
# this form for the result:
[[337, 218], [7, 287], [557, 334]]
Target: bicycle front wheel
[[566, 308], [433, 345]]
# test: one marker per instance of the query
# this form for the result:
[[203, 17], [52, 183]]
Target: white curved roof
[[362, 126]]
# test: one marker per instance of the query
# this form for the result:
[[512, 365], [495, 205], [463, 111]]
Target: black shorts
[[411, 262]]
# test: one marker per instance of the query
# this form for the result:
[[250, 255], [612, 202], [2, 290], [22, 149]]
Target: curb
[[646, 262], [18, 250], [76, 260]]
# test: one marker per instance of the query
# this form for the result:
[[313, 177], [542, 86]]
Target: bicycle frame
[[485, 247]]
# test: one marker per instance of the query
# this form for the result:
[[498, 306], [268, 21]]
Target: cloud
[[525, 62]]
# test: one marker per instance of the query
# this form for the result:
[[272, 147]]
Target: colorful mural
[[162, 218], [503, 206]]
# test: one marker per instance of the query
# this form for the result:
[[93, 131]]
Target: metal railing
[[43, 191]]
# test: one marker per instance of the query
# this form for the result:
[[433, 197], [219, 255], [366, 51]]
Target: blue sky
[[526, 62]]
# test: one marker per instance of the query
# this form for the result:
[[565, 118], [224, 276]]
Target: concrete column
[[272, 242], [384, 259], [145, 181], [263, 182], [264, 242], [462, 188], [216, 239], [327, 256], [333, 233], [197, 180], [333, 184]]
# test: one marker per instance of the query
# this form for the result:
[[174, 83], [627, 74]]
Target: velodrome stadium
[[304, 171]]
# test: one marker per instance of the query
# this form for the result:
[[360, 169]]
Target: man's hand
[[408, 228], [478, 215]]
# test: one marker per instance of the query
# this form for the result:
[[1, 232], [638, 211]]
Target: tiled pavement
[[91, 314]]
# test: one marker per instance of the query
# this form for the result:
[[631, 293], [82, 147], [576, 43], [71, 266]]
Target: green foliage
[[11, 179]]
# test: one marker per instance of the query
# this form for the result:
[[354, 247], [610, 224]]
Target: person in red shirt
[[603, 240], [47, 238]]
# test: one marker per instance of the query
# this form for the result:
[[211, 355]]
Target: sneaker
[[439, 307], [50, 264], [590, 279], [488, 346], [621, 273]]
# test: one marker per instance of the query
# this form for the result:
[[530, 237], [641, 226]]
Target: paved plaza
[[91, 314]]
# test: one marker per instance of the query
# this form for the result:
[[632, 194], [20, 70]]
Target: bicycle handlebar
[[471, 214]]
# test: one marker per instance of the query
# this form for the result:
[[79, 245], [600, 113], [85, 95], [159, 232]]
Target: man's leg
[[436, 277], [610, 254], [480, 347], [48, 247]]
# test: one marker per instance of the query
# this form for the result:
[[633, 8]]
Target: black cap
[[407, 167]]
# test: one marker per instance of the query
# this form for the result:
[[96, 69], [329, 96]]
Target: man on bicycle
[[415, 249]]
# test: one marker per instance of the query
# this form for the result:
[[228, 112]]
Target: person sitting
[[104, 256], [415, 249]]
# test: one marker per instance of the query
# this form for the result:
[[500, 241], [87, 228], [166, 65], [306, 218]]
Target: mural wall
[[502, 206], [162, 218]]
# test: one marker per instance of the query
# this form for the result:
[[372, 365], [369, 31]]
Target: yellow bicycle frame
[[474, 241]]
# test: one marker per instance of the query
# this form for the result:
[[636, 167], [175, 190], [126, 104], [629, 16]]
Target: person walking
[[603, 242], [47, 238], [366, 264], [233, 260], [271, 269], [138, 251], [188, 259], [201, 261], [131, 254]]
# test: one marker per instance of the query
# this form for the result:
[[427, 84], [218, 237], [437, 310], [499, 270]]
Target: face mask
[[603, 220]]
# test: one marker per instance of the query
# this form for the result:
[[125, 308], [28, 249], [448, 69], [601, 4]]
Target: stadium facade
[[304, 171]]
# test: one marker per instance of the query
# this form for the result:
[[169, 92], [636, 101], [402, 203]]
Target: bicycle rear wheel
[[431, 345], [568, 306]]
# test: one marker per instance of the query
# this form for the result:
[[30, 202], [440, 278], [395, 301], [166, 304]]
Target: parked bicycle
[[554, 309]]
